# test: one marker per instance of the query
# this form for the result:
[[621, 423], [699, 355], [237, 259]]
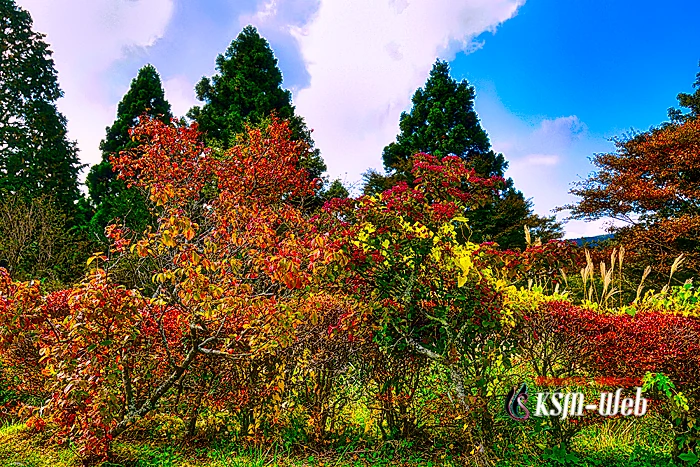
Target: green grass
[[615, 443], [20, 447]]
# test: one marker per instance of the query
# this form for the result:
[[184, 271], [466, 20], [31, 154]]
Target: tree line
[[40, 167], [48, 226]]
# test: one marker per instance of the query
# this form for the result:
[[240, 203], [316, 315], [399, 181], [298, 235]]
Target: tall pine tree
[[36, 157], [110, 196], [443, 122], [248, 89]]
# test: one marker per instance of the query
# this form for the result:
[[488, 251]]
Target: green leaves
[[37, 158], [560, 455], [658, 381], [690, 457]]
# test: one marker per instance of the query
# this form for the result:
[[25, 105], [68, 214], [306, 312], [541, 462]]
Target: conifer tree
[[248, 89], [110, 196], [36, 157], [443, 122], [688, 101]]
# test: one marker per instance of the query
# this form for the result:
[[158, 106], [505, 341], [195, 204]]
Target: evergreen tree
[[36, 157], [110, 196], [688, 101], [335, 190], [443, 122], [247, 89]]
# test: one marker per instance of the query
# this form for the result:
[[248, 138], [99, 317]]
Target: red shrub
[[630, 346]]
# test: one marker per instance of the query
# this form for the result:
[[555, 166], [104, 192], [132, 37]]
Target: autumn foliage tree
[[222, 274], [652, 184], [428, 298]]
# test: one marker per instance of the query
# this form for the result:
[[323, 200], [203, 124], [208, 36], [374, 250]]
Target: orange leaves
[[168, 163], [656, 170], [652, 182], [167, 239], [226, 261], [174, 227], [263, 165], [188, 234], [287, 271], [142, 248]]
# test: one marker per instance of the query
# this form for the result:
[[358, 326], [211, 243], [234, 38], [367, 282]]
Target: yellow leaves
[[161, 196], [99, 255], [461, 280], [45, 353], [465, 265], [175, 226], [167, 239], [162, 277], [48, 370], [216, 291], [363, 236], [463, 261], [142, 248], [436, 253], [195, 258], [422, 231]]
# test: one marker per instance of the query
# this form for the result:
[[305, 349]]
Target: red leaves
[[171, 162], [263, 166], [626, 346], [652, 178]]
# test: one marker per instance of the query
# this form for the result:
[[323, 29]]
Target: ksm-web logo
[[573, 404]]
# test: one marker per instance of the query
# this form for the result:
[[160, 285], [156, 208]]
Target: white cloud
[[365, 58], [88, 37], [541, 159], [562, 131], [179, 92], [545, 156]]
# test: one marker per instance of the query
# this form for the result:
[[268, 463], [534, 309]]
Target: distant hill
[[591, 241]]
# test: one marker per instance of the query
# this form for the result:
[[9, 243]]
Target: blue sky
[[555, 79], [613, 66]]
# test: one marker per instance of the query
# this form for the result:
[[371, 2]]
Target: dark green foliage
[[110, 196], [374, 182], [503, 220], [36, 157], [248, 89], [443, 122], [335, 190], [688, 101]]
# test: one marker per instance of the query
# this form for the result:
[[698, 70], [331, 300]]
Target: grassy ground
[[20, 447], [616, 443]]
